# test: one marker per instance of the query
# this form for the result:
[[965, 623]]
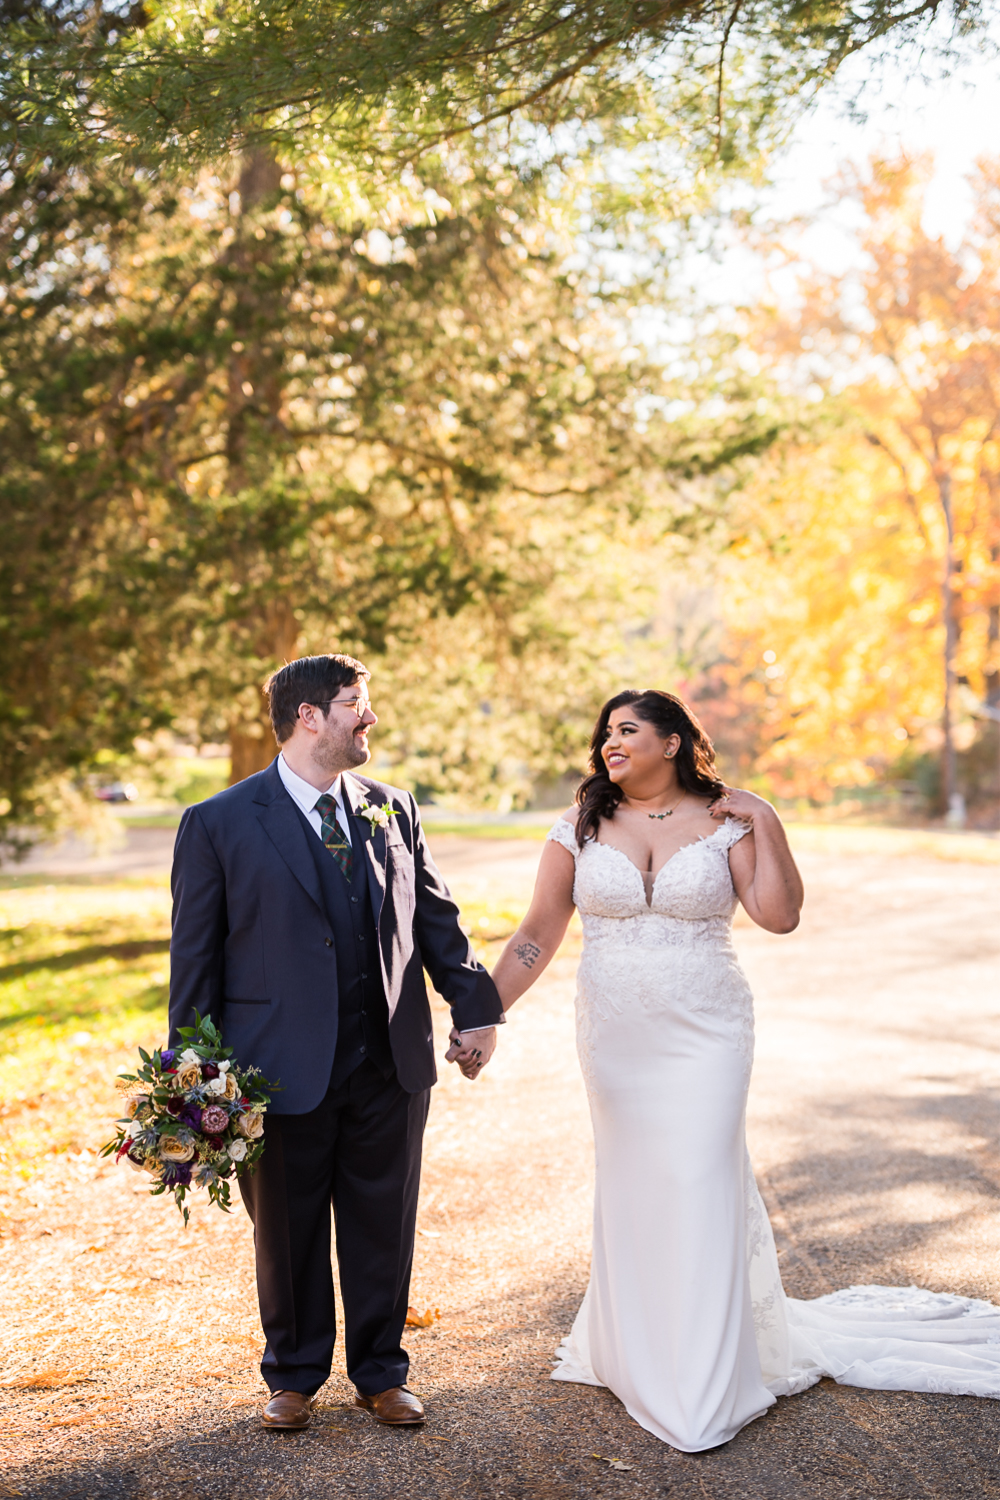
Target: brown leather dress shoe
[[396, 1407], [287, 1411]]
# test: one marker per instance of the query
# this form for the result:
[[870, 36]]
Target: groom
[[306, 907]]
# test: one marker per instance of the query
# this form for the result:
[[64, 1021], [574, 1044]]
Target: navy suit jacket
[[253, 947]]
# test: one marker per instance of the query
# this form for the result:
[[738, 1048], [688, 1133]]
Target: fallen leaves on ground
[[422, 1320], [44, 1380], [614, 1463]]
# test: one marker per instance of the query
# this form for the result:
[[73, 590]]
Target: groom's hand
[[472, 1050]]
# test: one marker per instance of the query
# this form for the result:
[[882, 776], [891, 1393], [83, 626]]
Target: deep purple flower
[[177, 1174], [209, 1070], [190, 1114], [167, 1057]]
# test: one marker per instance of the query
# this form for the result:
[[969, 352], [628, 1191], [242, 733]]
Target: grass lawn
[[818, 837], [84, 973], [83, 983], [814, 838], [83, 980]]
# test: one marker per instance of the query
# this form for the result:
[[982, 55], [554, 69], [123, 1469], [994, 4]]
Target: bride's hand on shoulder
[[765, 876], [734, 802]]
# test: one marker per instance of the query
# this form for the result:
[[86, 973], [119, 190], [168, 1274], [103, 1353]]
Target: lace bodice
[[676, 949], [694, 886]]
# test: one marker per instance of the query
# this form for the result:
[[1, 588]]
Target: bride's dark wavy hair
[[597, 797]]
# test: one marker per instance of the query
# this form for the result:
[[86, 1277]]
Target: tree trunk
[[252, 745], [248, 754], [954, 804], [991, 676]]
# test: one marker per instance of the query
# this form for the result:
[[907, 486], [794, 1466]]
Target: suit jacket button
[[329, 942], [354, 898], [363, 976]]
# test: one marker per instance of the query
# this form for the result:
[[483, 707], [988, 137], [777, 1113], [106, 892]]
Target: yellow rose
[[135, 1103], [251, 1125], [154, 1167], [231, 1089], [188, 1075], [171, 1149]]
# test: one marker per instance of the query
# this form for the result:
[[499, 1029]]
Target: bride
[[685, 1318]]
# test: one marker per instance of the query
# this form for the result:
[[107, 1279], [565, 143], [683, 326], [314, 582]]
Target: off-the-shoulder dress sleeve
[[732, 831], [563, 832]]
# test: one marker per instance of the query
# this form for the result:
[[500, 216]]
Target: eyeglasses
[[360, 705]]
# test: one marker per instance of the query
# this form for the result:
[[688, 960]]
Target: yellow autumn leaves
[[859, 543]]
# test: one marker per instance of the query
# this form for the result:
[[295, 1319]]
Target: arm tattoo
[[527, 953]]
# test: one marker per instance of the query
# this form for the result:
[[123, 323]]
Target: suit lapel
[[280, 821], [369, 852]]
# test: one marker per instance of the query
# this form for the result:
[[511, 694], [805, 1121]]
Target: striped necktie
[[333, 834]]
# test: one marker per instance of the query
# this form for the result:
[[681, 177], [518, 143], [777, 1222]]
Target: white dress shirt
[[304, 796]]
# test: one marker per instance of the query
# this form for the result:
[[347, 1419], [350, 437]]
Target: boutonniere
[[378, 817]]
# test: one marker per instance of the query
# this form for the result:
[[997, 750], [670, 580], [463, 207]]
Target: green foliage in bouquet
[[192, 1119]]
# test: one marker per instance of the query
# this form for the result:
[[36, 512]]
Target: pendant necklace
[[670, 810]]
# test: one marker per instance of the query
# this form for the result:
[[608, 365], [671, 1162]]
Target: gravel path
[[130, 1345]]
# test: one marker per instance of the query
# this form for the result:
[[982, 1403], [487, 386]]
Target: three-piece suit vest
[[362, 1009]]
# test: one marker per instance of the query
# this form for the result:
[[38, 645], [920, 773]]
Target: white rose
[[225, 1066], [237, 1150], [216, 1085], [189, 1055], [136, 1128]]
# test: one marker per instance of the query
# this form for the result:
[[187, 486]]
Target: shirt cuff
[[470, 1029]]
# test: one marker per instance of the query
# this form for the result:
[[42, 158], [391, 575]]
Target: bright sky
[[956, 118]]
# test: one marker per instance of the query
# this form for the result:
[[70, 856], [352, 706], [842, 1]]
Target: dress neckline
[[706, 838]]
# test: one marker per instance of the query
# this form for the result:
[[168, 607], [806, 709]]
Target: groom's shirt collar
[[304, 796]]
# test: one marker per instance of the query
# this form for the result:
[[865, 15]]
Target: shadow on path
[[519, 1437], [878, 1190]]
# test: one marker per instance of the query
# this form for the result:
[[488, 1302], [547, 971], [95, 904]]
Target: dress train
[[685, 1318]]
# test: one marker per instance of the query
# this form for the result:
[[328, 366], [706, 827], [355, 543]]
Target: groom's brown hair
[[310, 679]]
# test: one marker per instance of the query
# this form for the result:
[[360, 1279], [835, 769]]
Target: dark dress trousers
[[318, 981]]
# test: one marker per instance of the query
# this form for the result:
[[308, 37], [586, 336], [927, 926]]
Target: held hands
[[472, 1050]]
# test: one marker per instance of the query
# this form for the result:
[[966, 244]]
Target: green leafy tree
[[236, 427], [391, 80]]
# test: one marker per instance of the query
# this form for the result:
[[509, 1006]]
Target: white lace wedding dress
[[685, 1318]]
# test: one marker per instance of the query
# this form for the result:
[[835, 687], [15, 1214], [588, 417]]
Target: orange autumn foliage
[[869, 552]]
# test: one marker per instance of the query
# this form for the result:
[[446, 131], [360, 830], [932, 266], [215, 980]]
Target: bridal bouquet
[[192, 1119]]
